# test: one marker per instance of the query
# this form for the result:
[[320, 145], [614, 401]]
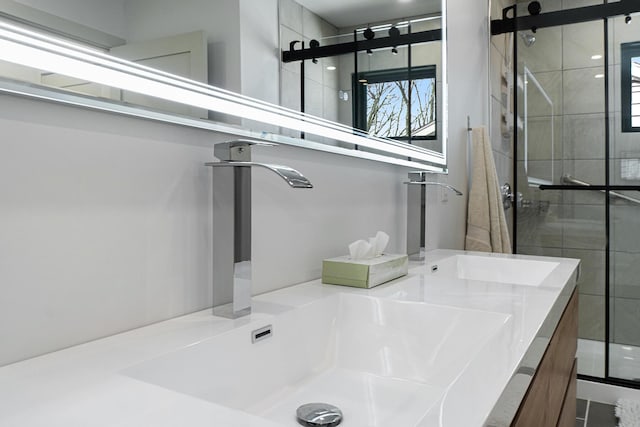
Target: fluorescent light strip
[[34, 50], [69, 98], [85, 54]]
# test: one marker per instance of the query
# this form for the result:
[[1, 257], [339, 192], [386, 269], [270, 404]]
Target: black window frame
[[627, 52], [390, 75]]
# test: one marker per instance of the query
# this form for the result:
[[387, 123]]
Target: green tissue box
[[365, 273]]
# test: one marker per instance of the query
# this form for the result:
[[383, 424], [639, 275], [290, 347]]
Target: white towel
[[487, 229]]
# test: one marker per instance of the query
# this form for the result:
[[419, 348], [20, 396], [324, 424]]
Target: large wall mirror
[[386, 103]]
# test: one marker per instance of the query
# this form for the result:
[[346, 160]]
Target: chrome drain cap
[[319, 414]]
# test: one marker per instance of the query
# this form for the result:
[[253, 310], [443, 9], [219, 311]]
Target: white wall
[[468, 57], [104, 225], [294, 230], [218, 19], [107, 16]]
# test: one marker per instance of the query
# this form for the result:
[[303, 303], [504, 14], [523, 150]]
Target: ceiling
[[348, 13]]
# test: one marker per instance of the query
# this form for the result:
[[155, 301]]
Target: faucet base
[[227, 312]]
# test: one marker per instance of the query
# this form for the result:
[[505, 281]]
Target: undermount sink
[[382, 362], [494, 269]]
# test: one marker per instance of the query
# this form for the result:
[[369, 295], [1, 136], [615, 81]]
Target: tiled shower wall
[[321, 85], [500, 106]]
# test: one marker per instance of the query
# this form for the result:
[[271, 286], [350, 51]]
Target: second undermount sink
[[494, 269], [382, 362]]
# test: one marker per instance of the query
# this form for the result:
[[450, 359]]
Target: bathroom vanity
[[463, 340]]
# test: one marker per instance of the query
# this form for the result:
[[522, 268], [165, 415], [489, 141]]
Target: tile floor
[[595, 414]]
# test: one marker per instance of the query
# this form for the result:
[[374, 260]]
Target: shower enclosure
[[576, 153]]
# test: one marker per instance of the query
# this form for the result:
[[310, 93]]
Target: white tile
[[499, 142], [330, 104], [583, 227], [102, 231], [625, 223], [591, 171], [626, 270], [290, 89], [290, 14], [544, 138], [626, 317], [583, 91], [590, 356], [580, 42], [497, 61], [426, 54], [538, 97], [549, 170], [623, 144], [591, 317], [313, 97], [311, 25], [546, 53], [592, 270], [330, 77], [584, 136]]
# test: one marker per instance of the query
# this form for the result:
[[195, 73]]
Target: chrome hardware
[[261, 334], [319, 414], [232, 224], [416, 212], [568, 179], [508, 197], [441, 184]]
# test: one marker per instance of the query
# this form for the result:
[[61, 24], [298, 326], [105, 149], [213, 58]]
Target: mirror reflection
[[391, 92]]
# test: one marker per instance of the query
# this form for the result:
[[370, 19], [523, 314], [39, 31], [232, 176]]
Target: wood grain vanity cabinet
[[551, 398]]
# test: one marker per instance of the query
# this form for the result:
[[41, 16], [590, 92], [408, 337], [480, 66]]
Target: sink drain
[[319, 414]]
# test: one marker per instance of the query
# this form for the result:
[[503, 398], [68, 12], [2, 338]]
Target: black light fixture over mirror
[[394, 33], [369, 34], [398, 39]]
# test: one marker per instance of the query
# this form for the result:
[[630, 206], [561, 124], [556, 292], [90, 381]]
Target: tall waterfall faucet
[[232, 272]]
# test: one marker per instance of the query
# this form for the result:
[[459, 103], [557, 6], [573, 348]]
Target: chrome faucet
[[232, 224], [416, 211]]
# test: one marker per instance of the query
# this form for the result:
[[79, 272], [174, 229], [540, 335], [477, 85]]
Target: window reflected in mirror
[[397, 103], [630, 87]]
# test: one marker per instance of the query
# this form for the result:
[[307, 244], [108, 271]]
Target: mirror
[[230, 45], [369, 88]]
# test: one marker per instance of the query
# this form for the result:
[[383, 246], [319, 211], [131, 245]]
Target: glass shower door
[[624, 126], [561, 140]]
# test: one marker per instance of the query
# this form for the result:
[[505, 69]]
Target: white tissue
[[361, 249], [381, 241]]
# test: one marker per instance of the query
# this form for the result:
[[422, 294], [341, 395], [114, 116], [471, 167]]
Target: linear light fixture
[[25, 47]]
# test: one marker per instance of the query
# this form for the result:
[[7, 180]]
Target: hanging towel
[[486, 224]]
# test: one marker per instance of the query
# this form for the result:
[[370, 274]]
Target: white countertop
[[85, 385]]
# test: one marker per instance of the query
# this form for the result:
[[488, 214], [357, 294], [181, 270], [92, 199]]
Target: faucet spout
[[441, 184], [291, 176]]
